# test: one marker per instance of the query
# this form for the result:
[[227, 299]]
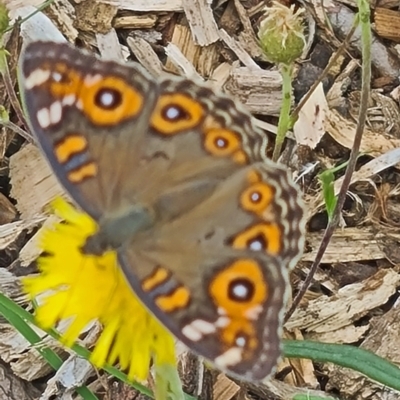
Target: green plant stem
[[284, 116], [366, 38]]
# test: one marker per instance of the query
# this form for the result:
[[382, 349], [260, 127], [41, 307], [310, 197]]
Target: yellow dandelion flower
[[83, 288]]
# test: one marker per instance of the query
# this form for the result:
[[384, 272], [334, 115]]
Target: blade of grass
[[363, 361], [7, 309], [79, 350]]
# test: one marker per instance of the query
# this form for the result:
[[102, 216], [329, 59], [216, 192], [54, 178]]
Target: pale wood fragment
[[201, 21], [146, 21], [179, 60], [204, 59], [346, 245], [343, 131], [25, 361], [310, 126], [330, 313], [109, 46], [33, 184], [73, 373], [14, 4], [221, 74], [387, 23], [62, 14], [276, 389], [224, 388], [94, 16], [11, 231], [238, 49], [347, 334], [146, 5], [33, 248], [302, 369], [145, 55], [259, 90]]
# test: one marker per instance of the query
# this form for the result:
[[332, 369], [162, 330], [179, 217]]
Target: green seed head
[[281, 34]]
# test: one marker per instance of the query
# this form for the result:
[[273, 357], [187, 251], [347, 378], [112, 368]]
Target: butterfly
[[205, 226]]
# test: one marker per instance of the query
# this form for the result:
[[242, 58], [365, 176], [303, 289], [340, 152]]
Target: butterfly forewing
[[89, 118]]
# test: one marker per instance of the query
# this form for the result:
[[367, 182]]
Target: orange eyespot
[[175, 113], [260, 237], [240, 333], [223, 143], [257, 197], [240, 289], [64, 81], [108, 100]]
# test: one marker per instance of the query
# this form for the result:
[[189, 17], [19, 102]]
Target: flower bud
[[281, 33]]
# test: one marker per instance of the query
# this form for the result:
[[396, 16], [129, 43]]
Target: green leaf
[[363, 361], [327, 178]]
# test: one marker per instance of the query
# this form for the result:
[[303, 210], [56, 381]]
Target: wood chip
[[145, 55], [343, 131], [146, 5], [94, 16], [10, 232], [259, 90], [310, 126], [330, 313], [109, 46], [238, 49], [146, 21], [346, 245], [387, 23], [180, 61], [224, 388], [62, 14], [33, 184], [73, 373], [14, 4], [203, 59], [201, 21]]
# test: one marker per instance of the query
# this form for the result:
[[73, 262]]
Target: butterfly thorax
[[113, 232]]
